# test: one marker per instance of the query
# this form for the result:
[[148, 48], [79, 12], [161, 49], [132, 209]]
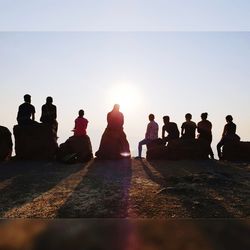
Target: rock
[[5, 144], [114, 145], [236, 151], [179, 150], [35, 142], [75, 149]]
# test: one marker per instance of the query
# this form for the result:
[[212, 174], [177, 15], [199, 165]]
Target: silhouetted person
[[81, 124], [49, 113], [204, 128], [26, 112], [114, 144], [171, 128], [151, 134], [115, 119], [228, 135], [188, 128]]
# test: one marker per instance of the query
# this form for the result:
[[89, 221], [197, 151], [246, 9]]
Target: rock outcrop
[[75, 149], [179, 149], [35, 142], [5, 144]]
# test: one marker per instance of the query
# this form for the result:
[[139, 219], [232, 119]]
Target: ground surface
[[128, 204], [125, 189]]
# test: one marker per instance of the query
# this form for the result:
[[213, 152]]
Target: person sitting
[[26, 112], [228, 135], [49, 113], [171, 128], [114, 144], [204, 128], [151, 134], [81, 124], [188, 128]]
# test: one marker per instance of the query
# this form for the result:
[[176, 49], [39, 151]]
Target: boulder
[[75, 149], [180, 149], [35, 142], [5, 144], [114, 145], [236, 151]]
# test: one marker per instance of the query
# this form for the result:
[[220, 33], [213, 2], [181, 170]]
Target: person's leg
[[143, 142], [219, 145]]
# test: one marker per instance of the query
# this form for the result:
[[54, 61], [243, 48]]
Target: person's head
[[116, 107], [27, 98], [188, 117], [166, 119], [204, 116], [229, 118], [151, 117], [81, 113], [49, 100]]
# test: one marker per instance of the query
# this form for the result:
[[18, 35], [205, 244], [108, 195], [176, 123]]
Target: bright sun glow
[[126, 95]]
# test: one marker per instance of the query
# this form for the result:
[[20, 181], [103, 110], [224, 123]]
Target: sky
[[166, 58]]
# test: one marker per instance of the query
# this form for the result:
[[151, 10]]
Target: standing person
[[171, 128], [26, 112], [204, 128], [114, 144], [81, 124], [188, 128], [49, 113], [151, 134], [228, 135]]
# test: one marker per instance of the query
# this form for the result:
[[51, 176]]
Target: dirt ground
[[125, 189], [153, 205]]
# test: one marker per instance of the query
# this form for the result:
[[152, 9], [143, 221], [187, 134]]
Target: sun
[[126, 95]]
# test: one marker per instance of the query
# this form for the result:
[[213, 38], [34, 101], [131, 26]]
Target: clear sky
[[127, 47], [167, 73], [113, 15]]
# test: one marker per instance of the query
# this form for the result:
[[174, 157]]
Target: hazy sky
[[170, 73], [161, 15], [166, 73]]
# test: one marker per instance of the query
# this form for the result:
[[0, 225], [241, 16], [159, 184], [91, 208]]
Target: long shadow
[[103, 193], [192, 190], [28, 180]]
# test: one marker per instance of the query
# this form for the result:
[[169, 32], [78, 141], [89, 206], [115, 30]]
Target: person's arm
[[147, 131], [182, 130], [224, 131], [163, 132], [33, 115], [55, 113]]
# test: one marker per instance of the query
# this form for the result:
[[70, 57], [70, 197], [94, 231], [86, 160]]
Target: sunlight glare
[[126, 95]]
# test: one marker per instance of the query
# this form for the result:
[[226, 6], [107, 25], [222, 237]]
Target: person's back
[[49, 113], [172, 130], [81, 124], [26, 112], [189, 128], [115, 119], [205, 130], [230, 129], [152, 130]]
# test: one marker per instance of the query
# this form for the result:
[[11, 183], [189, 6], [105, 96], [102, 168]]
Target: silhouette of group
[[188, 132], [114, 144]]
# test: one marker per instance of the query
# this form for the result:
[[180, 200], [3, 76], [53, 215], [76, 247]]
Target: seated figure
[[49, 113], [171, 128], [114, 144], [150, 136], [228, 136], [26, 112], [188, 128], [78, 147], [204, 128]]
